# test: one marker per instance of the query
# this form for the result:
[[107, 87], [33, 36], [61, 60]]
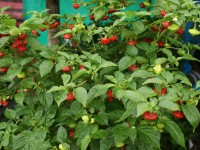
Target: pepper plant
[[115, 83]]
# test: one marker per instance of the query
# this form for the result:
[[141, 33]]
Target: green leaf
[[142, 107], [85, 142], [82, 130], [132, 133], [125, 62], [106, 143], [100, 134], [3, 41], [169, 105], [5, 139], [105, 64], [135, 96], [168, 76], [81, 95], [27, 83], [192, 114], [160, 61], [46, 53], [141, 59], [142, 74], [101, 118], [149, 136], [26, 61], [126, 33], [46, 99], [174, 130], [66, 78], [13, 71], [131, 50], [60, 96], [6, 62], [57, 88], [147, 91], [79, 73], [10, 114], [120, 133], [99, 12], [153, 80], [19, 98], [61, 135], [98, 90], [45, 67], [197, 84]]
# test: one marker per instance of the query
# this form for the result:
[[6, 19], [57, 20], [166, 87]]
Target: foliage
[[113, 84]]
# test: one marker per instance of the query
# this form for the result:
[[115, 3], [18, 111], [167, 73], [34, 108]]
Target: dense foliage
[[116, 83]]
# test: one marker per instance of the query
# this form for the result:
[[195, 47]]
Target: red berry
[[2, 54], [4, 69], [110, 11], [142, 5], [109, 99], [76, 6], [81, 67], [163, 13], [163, 91], [155, 29], [160, 44], [22, 36], [180, 31], [71, 133], [21, 48], [55, 24], [67, 69], [110, 94], [104, 17], [42, 29], [34, 32], [92, 17], [67, 36], [16, 43], [166, 24], [150, 116], [70, 97], [105, 41], [113, 38], [71, 26], [4, 103], [178, 114], [132, 42], [133, 67]]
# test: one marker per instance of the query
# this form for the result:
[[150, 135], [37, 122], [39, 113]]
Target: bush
[[116, 83]]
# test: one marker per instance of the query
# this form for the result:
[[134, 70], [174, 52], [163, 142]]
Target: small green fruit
[[85, 118], [194, 32], [157, 69], [92, 120], [21, 75], [173, 27], [119, 145]]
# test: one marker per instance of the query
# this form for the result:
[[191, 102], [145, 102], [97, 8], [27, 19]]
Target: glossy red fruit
[[81, 67], [156, 29], [42, 29], [24, 42], [105, 17], [22, 36], [16, 43], [109, 99], [70, 97], [142, 5], [70, 26], [67, 36], [113, 38], [109, 93], [105, 41], [4, 103], [76, 5], [71, 133], [55, 24], [35, 33], [180, 31], [163, 91], [2, 54], [163, 13], [21, 48], [178, 114], [150, 116], [166, 24], [3, 69], [133, 67], [110, 11], [66, 69], [132, 42], [92, 17], [160, 44]]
